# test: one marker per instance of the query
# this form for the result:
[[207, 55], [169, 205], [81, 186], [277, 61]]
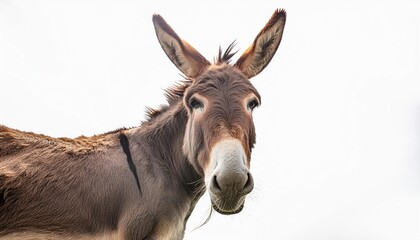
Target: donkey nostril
[[215, 185], [249, 185]]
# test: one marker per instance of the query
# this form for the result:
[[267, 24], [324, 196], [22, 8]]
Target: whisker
[[195, 182], [207, 219], [199, 191]]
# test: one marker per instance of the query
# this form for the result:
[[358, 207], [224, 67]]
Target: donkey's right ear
[[265, 45], [188, 60]]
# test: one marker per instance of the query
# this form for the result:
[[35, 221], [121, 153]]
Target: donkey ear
[[260, 53], [188, 60]]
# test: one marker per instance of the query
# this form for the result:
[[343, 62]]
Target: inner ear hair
[[265, 45], [186, 58]]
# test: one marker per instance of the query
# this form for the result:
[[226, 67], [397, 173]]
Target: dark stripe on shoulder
[[126, 148]]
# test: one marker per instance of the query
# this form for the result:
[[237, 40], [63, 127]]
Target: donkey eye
[[252, 104], [195, 104]]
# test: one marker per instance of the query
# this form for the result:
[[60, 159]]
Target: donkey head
[[220, 132]]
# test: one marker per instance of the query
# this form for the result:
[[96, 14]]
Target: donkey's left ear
[[260, 53]]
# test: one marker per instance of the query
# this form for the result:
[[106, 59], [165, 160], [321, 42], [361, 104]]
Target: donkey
[[143, 182]]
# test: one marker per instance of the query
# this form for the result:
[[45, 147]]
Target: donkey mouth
[[227, 203], [227, 211]]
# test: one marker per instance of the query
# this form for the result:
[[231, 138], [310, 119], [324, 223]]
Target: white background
[[338, 146]]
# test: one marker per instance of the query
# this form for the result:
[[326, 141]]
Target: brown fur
[[14, 141]]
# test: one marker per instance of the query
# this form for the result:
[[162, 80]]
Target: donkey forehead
[[223, 79]]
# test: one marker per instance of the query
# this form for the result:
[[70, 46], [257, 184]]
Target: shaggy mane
[[173, 94], [226, 57]]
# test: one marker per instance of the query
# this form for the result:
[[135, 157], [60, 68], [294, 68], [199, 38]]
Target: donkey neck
[[164, 134]]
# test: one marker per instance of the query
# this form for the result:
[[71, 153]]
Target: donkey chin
[[227, 205], [228, 179]]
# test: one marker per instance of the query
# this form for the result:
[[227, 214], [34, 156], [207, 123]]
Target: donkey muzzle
[[229, 180]]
